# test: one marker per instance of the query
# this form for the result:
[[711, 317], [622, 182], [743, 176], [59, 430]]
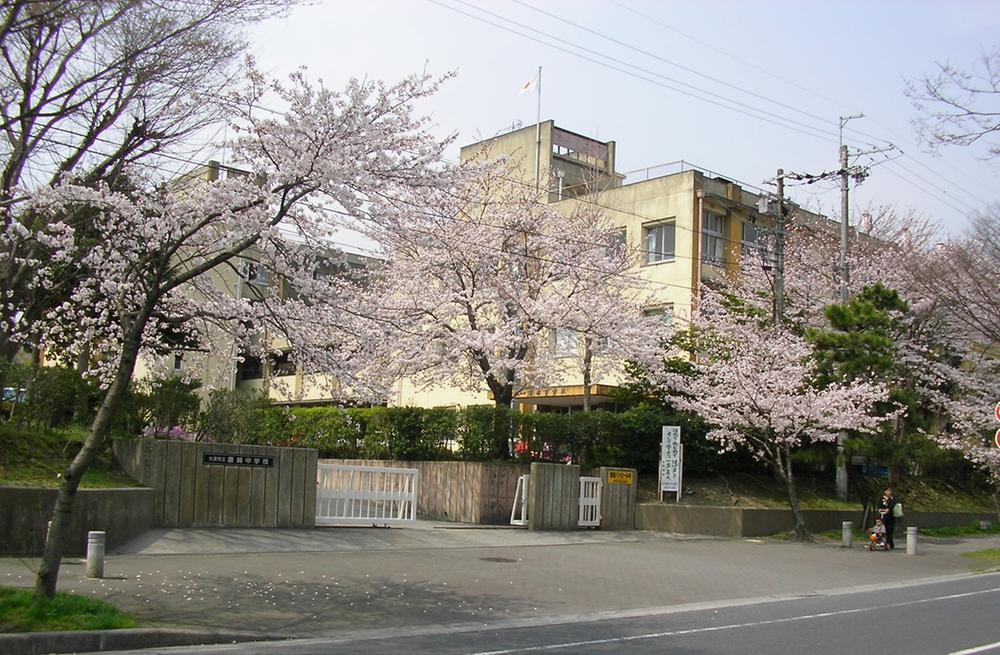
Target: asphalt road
[[959, 615]]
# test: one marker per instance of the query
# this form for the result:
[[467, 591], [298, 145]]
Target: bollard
[[911, 541], [95, 554], [846, 533]]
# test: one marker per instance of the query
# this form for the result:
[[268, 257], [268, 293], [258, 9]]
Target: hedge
[[630, 438]]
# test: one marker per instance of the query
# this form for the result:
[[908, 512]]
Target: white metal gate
[[519, 512], [362, 495], [590, 503]]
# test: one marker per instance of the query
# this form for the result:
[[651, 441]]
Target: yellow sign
[[620, 477]]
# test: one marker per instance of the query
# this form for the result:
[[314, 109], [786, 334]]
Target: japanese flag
[[529, 85]]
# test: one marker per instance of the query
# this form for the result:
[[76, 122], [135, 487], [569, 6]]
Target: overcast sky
[[818, 60]]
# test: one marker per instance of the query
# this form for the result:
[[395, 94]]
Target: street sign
[[996, 411], [671, 460], [996, 438], [620, 477]]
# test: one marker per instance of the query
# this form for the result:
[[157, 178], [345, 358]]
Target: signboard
[[996, 411], [671, 460], [996, 438], [620, 477], [225, 459]]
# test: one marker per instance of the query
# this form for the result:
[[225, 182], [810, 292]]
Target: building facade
[[688, 224]]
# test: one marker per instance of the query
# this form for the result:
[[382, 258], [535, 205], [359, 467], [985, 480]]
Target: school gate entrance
[[557, 497], [365, 495], [199, 485]]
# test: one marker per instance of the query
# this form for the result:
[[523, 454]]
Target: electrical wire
[[767, 117], [961, 188]]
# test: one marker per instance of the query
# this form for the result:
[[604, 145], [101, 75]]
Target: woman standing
[[886, 508]]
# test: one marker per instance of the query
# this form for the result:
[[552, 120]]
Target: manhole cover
[[501, 560]]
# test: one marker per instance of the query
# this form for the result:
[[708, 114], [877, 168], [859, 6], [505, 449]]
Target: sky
[[739, 88]]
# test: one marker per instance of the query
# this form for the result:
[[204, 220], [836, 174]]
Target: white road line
[[735, 626], [977, 649]]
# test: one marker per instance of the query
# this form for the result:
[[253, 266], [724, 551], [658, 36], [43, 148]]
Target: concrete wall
[[468, 492], [122, 513], [191, 493], [554, 497], [748, 522]]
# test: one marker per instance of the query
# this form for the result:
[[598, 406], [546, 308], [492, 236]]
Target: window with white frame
[[752, 241], [664, 312], [660, 242], [565, 343], [619, 240], [713, 238], [256, 273]]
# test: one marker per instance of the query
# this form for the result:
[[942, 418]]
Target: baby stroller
[[876, 541]]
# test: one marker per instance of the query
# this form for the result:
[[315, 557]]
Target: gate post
[[553, 496], [618, 498]]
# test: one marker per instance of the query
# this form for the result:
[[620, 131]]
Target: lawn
[[37, 458], [18, 613]]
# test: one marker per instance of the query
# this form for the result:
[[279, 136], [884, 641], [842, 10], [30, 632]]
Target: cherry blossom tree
[[943, 358], [754, 384], [613, 326], [156, 270], [90, 88], [471, 289], [957, 106]]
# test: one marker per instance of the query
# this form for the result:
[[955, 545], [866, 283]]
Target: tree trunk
[[784, 470], [501, 421], [588, 358], [48, 573]]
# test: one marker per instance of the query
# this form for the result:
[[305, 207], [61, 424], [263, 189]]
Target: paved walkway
[[331, 580]]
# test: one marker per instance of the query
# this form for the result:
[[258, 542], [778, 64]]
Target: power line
[[767, 117], [834, 101], [668, 61]]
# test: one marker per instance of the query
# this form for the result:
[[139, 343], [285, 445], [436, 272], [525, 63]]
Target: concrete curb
[[37, 643]]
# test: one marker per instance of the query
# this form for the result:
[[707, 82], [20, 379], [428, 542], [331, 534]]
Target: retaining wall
[[467, 492], [750, 522], [122, 513], [207, 485]]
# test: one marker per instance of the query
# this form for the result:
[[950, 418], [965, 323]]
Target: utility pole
[[845, 277], [779, 252], [845, 209]]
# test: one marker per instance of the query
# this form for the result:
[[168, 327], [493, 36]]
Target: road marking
[[977, 649], [736, 626]]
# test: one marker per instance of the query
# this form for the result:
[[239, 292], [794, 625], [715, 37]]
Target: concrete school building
[[689, 225]]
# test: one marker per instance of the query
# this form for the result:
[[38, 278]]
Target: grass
[[37, 458], [972, 529], [763, 492], [19, 613], [989, 556]]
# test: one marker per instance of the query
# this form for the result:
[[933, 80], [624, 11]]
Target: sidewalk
[[302, 583]]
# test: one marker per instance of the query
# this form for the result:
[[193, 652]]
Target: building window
[[251, 368], [664, 312], [282, 364], [659, 240], [256, 274], [752, 241], [178, 361], [713, 238], [619, 240], [565, 343]]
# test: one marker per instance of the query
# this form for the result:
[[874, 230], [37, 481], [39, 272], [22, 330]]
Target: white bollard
[[846, 533], [95, 554], [911, 541]]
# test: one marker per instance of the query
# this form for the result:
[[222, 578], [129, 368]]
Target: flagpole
[[538, 134]]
